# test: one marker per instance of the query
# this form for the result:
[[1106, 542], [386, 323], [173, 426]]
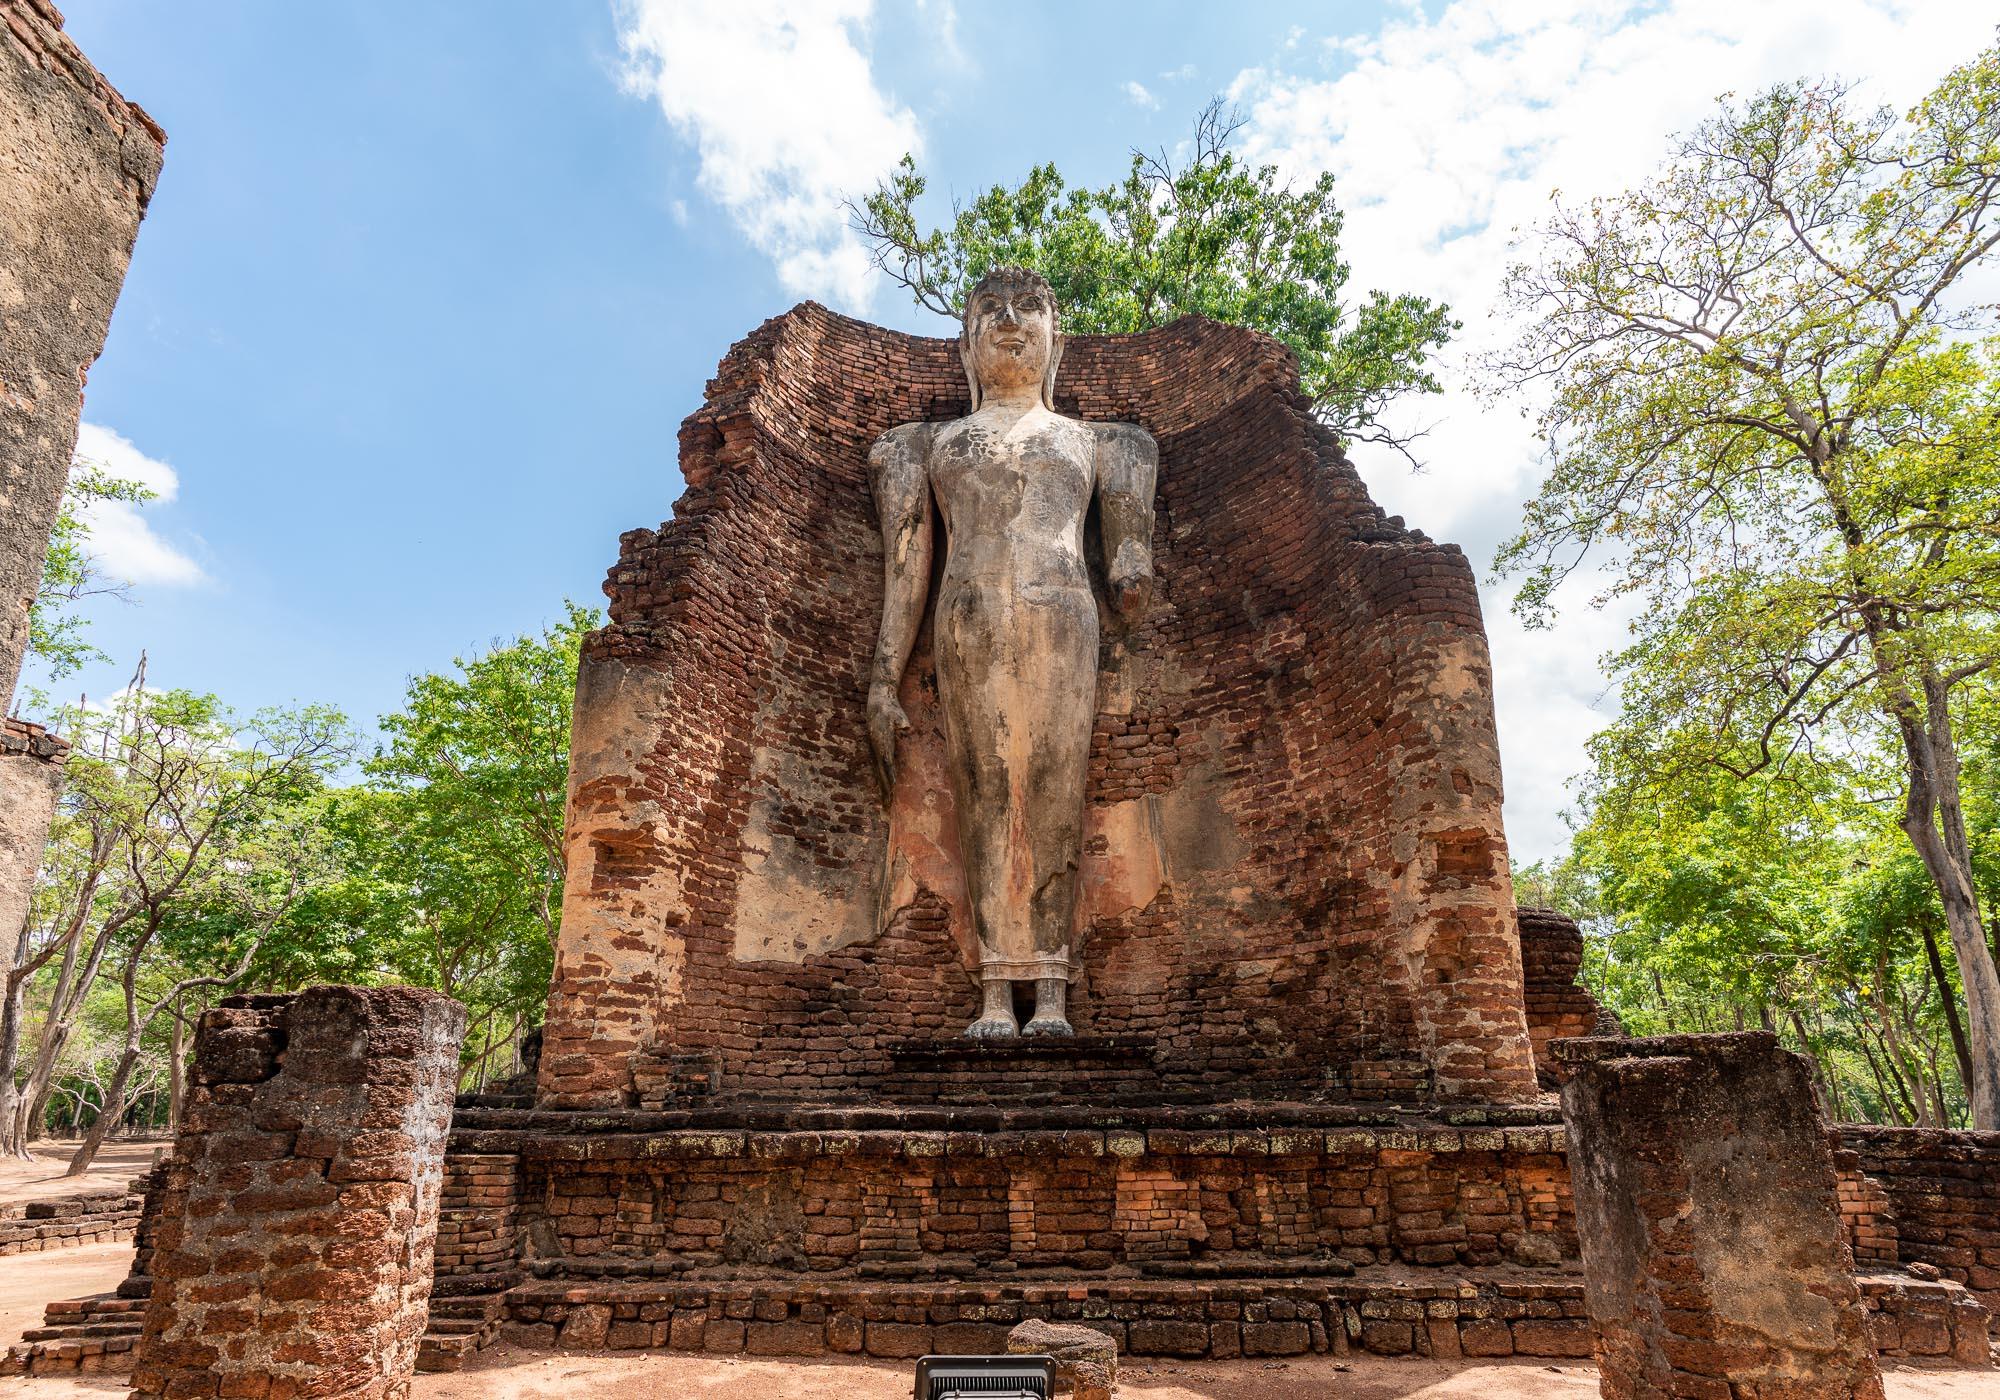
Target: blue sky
[[427, 288]]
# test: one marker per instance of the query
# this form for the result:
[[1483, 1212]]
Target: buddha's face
[[1010, 331]]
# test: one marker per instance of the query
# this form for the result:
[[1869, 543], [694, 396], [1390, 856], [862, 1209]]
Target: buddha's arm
[[899, 471], [1128, 464]]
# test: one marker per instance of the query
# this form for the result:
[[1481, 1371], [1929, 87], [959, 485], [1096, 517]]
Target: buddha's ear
[[1056, 344], [971, 374]]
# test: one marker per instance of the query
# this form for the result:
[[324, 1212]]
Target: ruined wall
[[294, 1247], [89, 1217], [31, 762], [1715, 1261], [1165, 1202], [80, 167], [1295, 873], [1943, 1196], [1557, 1005]]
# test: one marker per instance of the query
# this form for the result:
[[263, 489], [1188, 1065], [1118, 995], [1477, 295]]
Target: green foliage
[[1213, 236], [55, 629], [450, 853], [1771, 422], [1788, 901]]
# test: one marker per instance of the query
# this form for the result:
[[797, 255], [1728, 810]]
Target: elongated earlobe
[[971, 374], [1056, 345]]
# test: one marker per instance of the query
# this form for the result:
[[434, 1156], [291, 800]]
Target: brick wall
[[1714, 1255], [478, 1224], [1299, 736], [294, 1246], [82, 163], [1166, 1202], [1943, 1192], [91, 1217], [1557, 1005]]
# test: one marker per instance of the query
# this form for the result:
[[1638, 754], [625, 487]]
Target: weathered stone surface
[[294, 1247], [31, 762], [1016, 626], [80, 168], [1086, 1359], [1921, 1196], [1713, 1249], [1293, 876], [1324, 1203]]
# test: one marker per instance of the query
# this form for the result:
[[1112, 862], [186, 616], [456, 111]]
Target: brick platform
[[90, 1217], [1448, 1318]]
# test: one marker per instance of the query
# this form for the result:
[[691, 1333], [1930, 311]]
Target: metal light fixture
[[986, 1378]]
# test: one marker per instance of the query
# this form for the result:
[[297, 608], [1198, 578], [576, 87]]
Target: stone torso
[[1013, 493]]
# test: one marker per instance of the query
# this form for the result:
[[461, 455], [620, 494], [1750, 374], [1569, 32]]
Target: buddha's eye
[[1031, 303], [988, 305]]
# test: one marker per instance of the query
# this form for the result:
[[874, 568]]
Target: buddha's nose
[[1007, 316]]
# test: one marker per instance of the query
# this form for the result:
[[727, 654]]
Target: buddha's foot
[[1048, 1025], [993, 1028]]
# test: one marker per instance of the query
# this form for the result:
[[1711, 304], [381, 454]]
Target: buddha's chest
[[979, 470]]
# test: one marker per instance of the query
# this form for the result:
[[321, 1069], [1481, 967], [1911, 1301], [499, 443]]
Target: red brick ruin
[[1306, 1106], [300, 1206], [80, 167], [1295, 863], [1713, 1249]]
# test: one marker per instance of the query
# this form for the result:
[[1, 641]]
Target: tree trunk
[[13, 998], [1949, 1000], [1933, 820], [13, 1005], [112, 1109]]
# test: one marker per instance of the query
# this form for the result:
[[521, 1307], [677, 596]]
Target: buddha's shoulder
[[1124, 437], [904, 439]]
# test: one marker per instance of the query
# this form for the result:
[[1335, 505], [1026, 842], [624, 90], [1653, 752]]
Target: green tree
[[1209, 235], [1773, 404], [452, 853], [189, 835], [56, 630]]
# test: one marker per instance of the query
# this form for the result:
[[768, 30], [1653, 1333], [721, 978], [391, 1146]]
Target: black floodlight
[[986, 1378]]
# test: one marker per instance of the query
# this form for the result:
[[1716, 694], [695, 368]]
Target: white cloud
[[1447, 134], [122, 540], [1138, 96], [787, 120]]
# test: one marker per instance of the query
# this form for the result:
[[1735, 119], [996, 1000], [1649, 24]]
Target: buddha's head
[[1010, 340]]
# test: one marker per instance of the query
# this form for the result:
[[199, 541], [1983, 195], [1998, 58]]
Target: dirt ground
[[116, 1165], [30, 1281], [507, 1373]]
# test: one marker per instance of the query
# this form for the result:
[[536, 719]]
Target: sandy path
[[506, 1374], [116, 1165]]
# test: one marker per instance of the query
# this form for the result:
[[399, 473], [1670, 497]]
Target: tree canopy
[[1202, 234], [1772, 412]]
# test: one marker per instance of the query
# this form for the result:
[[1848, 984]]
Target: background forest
[[1772, 440]]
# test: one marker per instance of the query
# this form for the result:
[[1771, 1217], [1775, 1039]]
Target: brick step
[[89, 1329], [455, 1326], [443, 1354], [460, 1325]]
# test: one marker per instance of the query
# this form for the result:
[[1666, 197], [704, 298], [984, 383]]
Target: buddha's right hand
[[886, 723]]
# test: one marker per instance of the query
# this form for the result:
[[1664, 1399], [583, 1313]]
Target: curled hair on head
[[1006, 281]]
